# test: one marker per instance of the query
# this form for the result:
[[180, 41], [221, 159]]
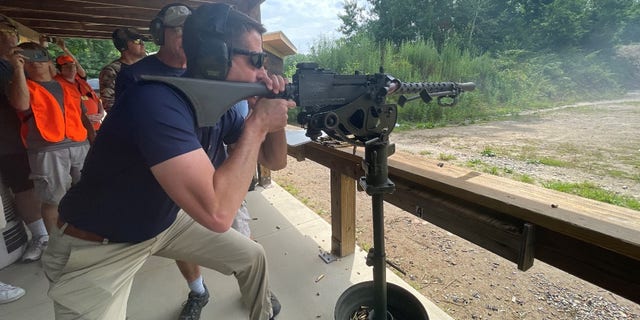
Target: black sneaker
[[194, 304], [275, 306]]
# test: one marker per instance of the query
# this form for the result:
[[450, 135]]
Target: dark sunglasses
[[255, 58], [138, 41]]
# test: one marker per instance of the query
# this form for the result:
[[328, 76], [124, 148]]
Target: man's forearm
[[212, 200], [18, 94], [273, 152], [91, 132]]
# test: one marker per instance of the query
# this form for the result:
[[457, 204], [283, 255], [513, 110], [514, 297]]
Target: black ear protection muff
[[208, 53], [156, 27], [119, 40]]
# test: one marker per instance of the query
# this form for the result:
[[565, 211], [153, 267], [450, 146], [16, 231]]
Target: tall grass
[[507, 82]]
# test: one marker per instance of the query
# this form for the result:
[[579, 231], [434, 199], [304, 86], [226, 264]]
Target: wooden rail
[[597, 242]]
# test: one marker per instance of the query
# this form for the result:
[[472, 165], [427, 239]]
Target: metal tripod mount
[[376, 183]]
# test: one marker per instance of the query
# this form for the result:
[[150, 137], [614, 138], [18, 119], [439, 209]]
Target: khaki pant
[[91, 280]]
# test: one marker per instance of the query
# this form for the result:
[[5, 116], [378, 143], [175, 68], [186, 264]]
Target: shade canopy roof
[[95, 18]]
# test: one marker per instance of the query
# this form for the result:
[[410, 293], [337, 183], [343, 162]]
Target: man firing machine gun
[[350, 108]]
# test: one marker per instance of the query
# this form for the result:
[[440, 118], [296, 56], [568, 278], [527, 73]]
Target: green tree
[[93, 54], [607, 21], [352, 19], [562, 24]]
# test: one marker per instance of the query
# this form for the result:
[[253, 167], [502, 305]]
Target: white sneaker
[[35, 249], [10, 293]]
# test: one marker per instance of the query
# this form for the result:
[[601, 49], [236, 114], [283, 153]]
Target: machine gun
[[350, 108]]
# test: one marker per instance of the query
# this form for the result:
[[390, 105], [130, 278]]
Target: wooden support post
[[264, 176], [527, 247], [343, 214]]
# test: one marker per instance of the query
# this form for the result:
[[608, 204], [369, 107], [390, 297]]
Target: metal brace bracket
[[327, 257]]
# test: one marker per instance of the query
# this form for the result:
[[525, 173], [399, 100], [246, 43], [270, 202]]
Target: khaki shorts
[[53, 172]]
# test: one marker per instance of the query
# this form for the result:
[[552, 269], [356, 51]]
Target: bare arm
[[18, 94], [86, 123], [273, 153], [211, 197], [107, 80], [81, 72]]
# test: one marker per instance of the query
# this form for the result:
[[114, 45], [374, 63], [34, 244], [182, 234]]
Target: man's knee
[[256, 254]]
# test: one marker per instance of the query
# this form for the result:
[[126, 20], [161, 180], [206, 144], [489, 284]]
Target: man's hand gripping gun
[[350, 108]]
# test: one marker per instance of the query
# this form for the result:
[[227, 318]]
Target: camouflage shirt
[[107, 78]]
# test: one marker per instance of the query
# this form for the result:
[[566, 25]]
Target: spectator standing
[[14, 163], [79, 69], [150, 143], [130, 43], [67, 71], [166, 31], [54, 129]]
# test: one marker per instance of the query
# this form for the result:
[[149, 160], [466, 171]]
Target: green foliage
[[351, 19], [522, 54], [553, 162], [447, 157], [524, 178], [490, 25], [488, 152], [591, 191], [508, 82], [91, 53], [475, 163]]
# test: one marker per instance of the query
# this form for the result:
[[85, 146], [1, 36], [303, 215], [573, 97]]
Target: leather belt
[[70, 230]]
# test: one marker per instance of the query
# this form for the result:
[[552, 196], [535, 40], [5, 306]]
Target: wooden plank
[[343, 214], [615, 272], [609, 226], [493, 231]]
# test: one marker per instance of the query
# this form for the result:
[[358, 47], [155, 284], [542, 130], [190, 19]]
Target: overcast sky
[[303, 21]]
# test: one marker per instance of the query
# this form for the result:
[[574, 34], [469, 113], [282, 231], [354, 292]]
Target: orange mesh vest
[[89, 98], [54, 125]]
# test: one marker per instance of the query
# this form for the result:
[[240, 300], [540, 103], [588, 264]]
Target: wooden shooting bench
[[595, 241]]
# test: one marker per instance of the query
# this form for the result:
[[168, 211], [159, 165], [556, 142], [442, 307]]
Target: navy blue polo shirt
[[151, 65], [118, 197]]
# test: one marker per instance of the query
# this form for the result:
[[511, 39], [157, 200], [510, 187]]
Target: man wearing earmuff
[[130, 44], [149, 188], [166, 30]]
